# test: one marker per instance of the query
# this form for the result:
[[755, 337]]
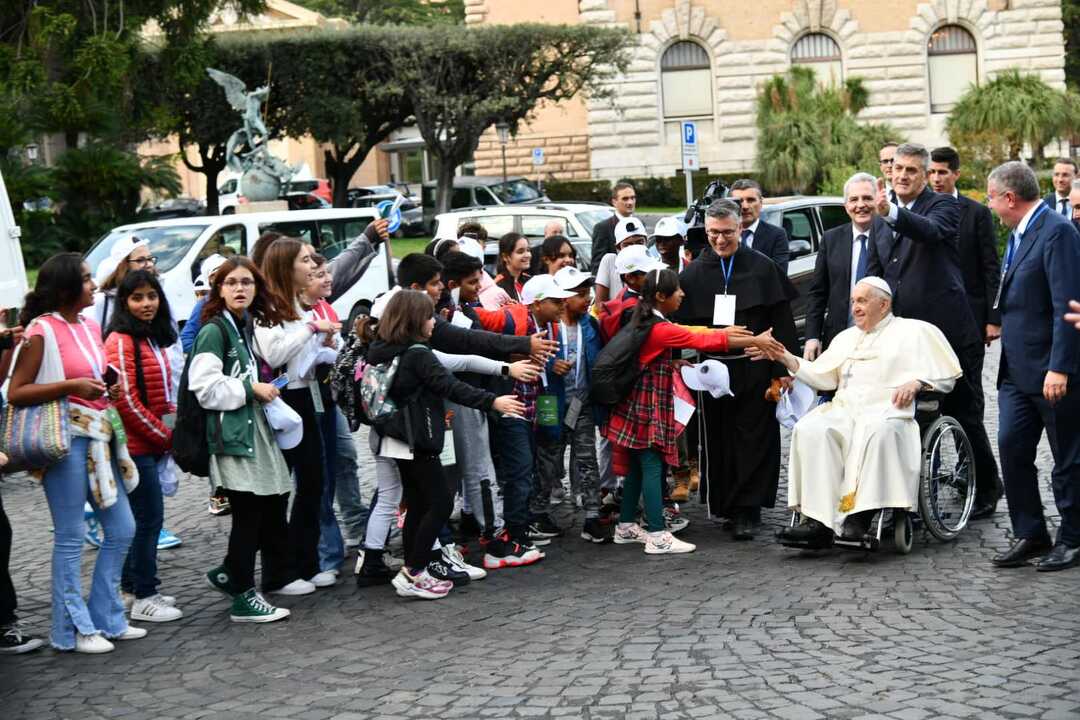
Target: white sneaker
[[154, 609], [296, 587], [94, 644], [629, 533], [664, 543], [327, 578], [453, 557], [131, 633], [423, 586]]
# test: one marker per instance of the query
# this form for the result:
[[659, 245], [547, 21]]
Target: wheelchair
[[946, 494]]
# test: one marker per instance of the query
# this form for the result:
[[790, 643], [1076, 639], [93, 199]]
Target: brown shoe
[[680, 492], [695, 479]]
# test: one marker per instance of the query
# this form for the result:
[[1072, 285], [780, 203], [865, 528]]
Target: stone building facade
[[705, 59]]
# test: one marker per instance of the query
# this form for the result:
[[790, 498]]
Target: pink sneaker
[[421, 586], [629, 533]]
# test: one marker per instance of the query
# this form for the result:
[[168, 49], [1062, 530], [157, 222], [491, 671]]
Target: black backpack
[[617, 368], [189, 447]]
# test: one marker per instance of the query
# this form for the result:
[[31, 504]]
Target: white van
[[181, 244]]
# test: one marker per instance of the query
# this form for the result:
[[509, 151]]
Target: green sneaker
[[251, 607], [219, 580]]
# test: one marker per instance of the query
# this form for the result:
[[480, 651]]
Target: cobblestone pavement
[[739, 630]]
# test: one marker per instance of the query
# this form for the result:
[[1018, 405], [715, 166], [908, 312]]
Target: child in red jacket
[[136, 343]]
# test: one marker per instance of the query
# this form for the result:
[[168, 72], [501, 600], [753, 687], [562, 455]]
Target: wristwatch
[[505, 370]]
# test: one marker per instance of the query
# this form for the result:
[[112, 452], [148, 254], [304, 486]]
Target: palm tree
[[1013, 110]]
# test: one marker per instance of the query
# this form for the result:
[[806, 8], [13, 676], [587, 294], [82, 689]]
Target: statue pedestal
[[263, 206]]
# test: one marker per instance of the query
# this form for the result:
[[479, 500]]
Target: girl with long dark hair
[[514, 261], [556, 252], [244, 457], [641, 427], [283, 345], [63, 357], [136, 344]]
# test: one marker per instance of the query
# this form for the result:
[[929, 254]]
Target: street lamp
[[504, 137]]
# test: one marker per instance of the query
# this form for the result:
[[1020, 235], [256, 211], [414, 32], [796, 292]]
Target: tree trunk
[[213, 162], [445, 189]]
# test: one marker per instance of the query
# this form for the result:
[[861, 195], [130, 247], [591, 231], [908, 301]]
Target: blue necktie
[[746, 234], [860, 266], [1010, 251], [1064, 206]]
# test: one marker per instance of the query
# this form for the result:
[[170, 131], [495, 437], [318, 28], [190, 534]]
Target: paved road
[[736, 630]]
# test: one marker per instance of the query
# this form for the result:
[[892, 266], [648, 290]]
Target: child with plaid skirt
[[641, 426]]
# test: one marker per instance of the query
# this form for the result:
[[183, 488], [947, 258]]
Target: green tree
[[1011, 111], [462, 81], [392, 12], [1070, 14], [809, 140]]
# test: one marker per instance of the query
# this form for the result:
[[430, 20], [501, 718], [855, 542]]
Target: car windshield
[[515, 191], [589, 218], [170, 243]]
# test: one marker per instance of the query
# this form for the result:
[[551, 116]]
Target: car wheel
[[229, 211]]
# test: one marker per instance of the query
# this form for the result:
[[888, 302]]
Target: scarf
[[95, 425]]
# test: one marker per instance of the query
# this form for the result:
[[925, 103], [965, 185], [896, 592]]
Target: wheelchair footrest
[[867, 542]]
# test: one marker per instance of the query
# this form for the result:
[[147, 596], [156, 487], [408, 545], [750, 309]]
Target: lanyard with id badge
[[96, 361], [724, 305], [573, 409], [547, 405]]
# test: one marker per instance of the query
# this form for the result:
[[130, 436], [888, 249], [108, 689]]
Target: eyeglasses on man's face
[[725, 233]]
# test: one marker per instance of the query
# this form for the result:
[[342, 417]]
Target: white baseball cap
[[669, 227], [471, 247], [710, 376], [286, 423], [629, 227], [381, 301], [543, 287], [570, 278], [211, 264], [119, 252], [635, 259]]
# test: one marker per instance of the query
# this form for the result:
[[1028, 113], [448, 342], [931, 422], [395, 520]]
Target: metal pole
[[689, 187], [504, 162]]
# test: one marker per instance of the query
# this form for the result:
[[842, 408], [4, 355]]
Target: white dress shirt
[[749, 242], [856, 251]]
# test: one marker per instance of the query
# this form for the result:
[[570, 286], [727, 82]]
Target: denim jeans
[[140, 569], [331, 544], [387, 498], [473, 452], [516, 467], [354, 514], [67, 489]]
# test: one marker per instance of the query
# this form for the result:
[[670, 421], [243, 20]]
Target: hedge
[[651, 191]]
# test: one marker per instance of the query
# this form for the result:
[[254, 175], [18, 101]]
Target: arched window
[[952, 66], [820, 53], [686, 81]]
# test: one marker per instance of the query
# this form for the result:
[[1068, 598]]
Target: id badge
[[117, 425], [316, 399], [723, 310], [169, 420], [572, 413], [547, 411]]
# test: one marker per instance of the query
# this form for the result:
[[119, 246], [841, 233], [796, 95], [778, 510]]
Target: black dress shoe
[[984, 510], [811, 534], [857, 525], [1061, 557], [1021, 551], [743, 528]]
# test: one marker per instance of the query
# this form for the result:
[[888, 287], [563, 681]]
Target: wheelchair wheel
[[903, 531], [947, 484]]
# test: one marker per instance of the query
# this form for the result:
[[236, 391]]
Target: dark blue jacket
[[1035, 292], [590, 348], [191, 328]]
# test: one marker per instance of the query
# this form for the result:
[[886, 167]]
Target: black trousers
[[307, 464], [258, 526], [7, 588], [966, 403], [428, 504]]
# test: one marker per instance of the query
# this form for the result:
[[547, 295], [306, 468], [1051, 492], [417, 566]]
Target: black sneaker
[[502, 552], [439, 570], [543, 527], [468, 528], [595, 532], [13, 642], [371, 569]]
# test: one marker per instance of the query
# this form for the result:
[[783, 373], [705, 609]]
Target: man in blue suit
[[1040, 368], [769, 240]]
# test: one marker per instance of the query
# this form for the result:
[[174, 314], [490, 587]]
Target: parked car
[[478, 190], [173, 208], [317, 186], [578, 220], [306, 201], [181, 244], [412, 216]]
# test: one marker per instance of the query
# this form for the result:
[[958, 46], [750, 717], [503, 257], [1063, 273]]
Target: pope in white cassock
[[862, 451]]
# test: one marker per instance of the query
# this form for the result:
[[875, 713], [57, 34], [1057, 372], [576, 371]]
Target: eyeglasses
[[726, 233], [885, 162], [232, 283], [144, 261]]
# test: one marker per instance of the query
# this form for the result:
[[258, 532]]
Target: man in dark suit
[[1063, 178], [842, 259], [1040, 368], [980, 270], [1074, 201], [624, 200], [767, 239], [920, 259]]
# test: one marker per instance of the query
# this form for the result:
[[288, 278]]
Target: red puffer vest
[[146, 433]]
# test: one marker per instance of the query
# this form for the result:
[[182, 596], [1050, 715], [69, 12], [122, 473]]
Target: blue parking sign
[[689, 133]]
